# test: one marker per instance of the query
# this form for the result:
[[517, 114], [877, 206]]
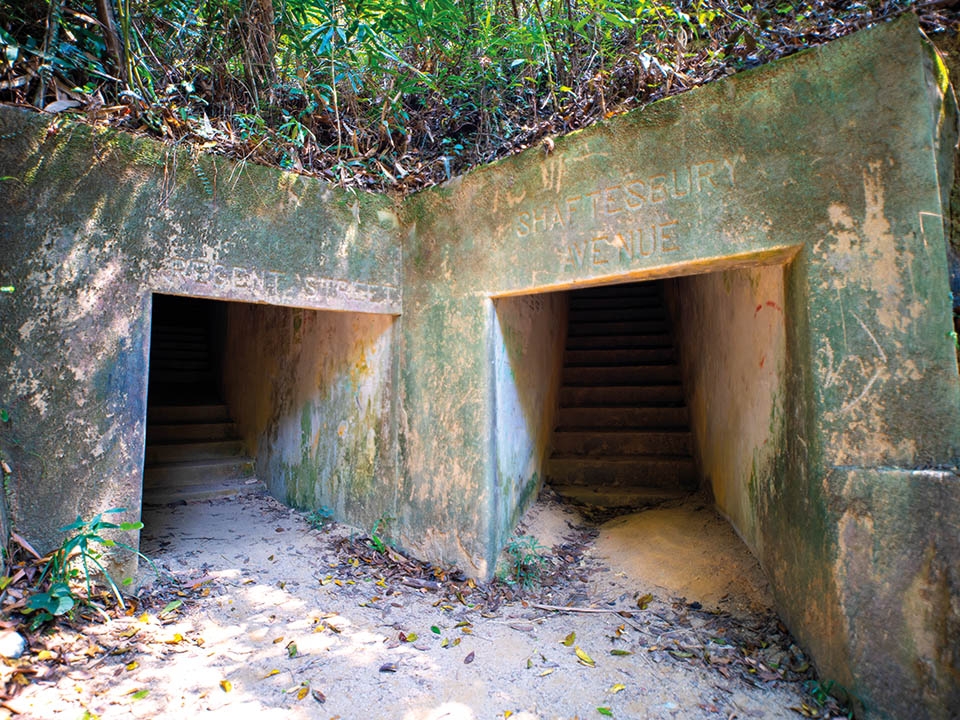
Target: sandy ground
[[267, 579]]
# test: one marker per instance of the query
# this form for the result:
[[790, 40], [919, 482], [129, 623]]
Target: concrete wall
[[529, 336], [312, 394], [731, 338], [833, 161], [97, 221], [827, 161]]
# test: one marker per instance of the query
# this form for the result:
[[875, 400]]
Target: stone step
[[618, 328], [619, 374], [192, 493], [619, 497], [620, 291], [196, 472], [181, 376], [617, 314], [174, 363], [187, 413], [169, 452], [618, 342], [620, 395], [192, 330], [604, 442], [178, 354], [158, 433], [637, 471], [628, 356], [647, 417], [161, 346], [586, 303]]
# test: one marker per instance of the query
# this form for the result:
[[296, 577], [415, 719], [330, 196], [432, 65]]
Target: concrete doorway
[[298, 399], [193, 447], [623, 432], [661, 402]]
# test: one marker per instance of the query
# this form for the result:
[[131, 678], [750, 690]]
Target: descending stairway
[[193, 451], [623, 436]]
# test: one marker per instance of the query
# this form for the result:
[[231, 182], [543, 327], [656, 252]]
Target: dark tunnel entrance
[[193, 447]]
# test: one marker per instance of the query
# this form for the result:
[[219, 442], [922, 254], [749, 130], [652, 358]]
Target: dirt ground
[[277, 619]]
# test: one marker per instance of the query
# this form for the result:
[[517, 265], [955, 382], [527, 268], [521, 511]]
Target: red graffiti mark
[[762, 360], [769, 303]]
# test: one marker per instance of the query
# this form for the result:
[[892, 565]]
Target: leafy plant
[[319, 518], [374, 93], [375, 540], [79, 551], [527, 560]]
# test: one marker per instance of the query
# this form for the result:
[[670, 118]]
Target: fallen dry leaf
[[583, 658]]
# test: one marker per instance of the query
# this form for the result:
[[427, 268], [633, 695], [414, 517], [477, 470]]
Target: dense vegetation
[[391, 93]]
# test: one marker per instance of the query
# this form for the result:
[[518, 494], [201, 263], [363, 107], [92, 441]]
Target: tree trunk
[[111, 37], [260, 47]]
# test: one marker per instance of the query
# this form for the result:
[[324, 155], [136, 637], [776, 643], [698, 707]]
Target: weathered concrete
[[825, 163], [311, 392], [732, 346], [97, 221], [817, 184], [527, 346]]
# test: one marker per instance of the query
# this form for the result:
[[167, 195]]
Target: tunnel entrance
[[193, 447], [628, 395], [299, 399], [623, 434]]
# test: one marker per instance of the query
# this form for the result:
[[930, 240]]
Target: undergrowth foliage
[[80, 554], [392, 93]]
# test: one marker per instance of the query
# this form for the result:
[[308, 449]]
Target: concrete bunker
[[298, 398], [840, 158], [629, 394]]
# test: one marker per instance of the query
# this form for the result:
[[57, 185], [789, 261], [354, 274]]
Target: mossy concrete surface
[[813, 188], [92, 223], [825, 164]]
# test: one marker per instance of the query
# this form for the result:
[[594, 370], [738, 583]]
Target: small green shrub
[[79, 551], [375, 540], [319, 518], [527, 560]]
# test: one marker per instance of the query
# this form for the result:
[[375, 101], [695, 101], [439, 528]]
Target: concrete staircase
[[193, 451], [623, 437]]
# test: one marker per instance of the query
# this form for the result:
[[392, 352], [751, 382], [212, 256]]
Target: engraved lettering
[[179, 267], [540, 219], [638, 189], [595, 251], [658, 188], [596, 198], [703, 175], [557, 218], [653, 241], [675, 193], [523, 224], [201, 271], [609, 198], [239, 277], [668, 241], [572, 206], [730, 164], [275, 279], [626, 248], [576, 256]]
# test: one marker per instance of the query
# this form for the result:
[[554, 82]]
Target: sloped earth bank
[[280, 620]]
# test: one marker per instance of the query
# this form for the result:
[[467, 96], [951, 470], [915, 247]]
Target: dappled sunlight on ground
[[271, 626]]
